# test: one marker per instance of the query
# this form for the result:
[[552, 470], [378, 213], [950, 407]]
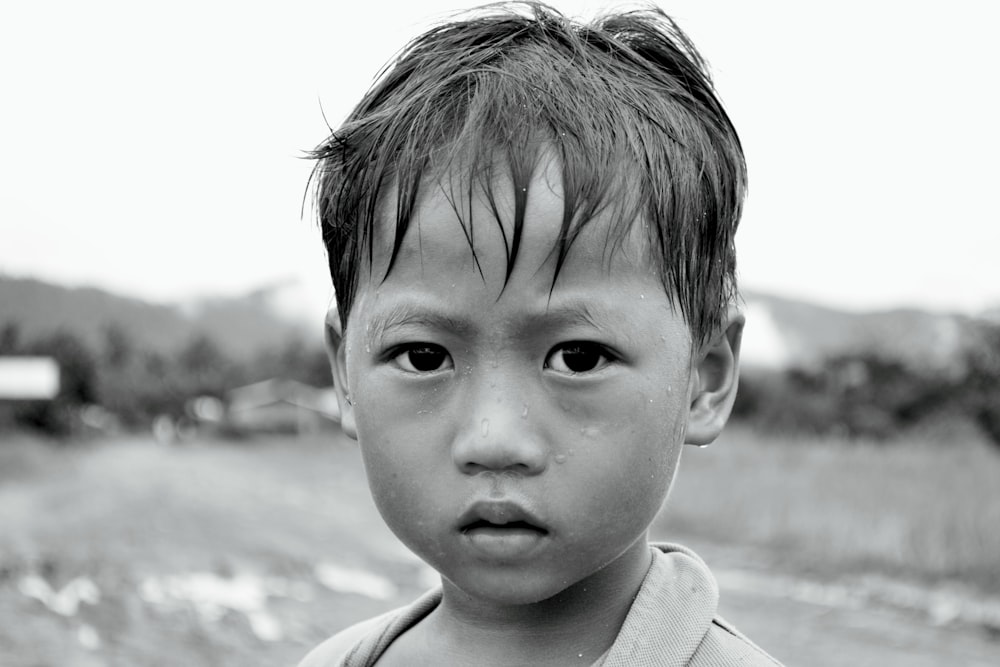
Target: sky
[[156, 149]]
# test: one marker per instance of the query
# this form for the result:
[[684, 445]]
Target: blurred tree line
[[135, 384], [870, 395], [854, 395]]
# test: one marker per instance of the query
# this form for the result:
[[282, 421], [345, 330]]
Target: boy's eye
[[422, 358], [578, 357]]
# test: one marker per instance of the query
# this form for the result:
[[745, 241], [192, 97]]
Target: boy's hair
[[624, 104]]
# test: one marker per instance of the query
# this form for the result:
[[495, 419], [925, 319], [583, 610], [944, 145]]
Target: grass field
[[926, 509], [247, 553]]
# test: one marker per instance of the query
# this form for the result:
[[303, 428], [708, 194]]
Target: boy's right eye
[[422, 358]]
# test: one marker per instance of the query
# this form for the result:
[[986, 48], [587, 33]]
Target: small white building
[[28, 378], [278, 405]]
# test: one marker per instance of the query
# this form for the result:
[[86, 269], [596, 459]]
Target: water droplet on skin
[[485, 427], [368, 349], [650, 400], [560, 458], [524, 412], [642, 296]]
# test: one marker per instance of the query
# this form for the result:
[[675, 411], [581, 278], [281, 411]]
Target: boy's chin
[[507, 589]]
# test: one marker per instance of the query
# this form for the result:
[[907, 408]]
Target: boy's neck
[[574, 627]]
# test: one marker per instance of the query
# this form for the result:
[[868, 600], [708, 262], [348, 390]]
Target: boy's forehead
[[460, 220]]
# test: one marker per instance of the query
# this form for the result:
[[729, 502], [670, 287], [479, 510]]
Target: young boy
[[530, 231]]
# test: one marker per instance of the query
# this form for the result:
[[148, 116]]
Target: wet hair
[[624, 103]]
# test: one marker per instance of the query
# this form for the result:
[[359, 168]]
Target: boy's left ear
[[715, 377]]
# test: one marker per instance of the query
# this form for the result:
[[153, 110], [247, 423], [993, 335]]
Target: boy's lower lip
[[503, 541]]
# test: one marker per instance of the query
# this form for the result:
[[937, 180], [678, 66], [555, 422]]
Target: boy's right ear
[[336, 351]]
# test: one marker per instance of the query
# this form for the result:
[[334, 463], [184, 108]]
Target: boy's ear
[[715, 377], [335, 350]]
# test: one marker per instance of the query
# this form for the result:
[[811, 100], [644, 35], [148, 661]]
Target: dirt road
[[805, 633]]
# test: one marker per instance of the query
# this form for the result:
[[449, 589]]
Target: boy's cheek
[[398, 465], [398, 430]]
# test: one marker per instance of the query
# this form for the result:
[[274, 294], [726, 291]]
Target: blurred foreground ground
[[250, 553]]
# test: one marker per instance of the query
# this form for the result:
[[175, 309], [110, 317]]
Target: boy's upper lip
[[499, 513]]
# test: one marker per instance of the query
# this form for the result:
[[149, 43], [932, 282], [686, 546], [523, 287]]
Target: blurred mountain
[[241, 326], [782, 332]]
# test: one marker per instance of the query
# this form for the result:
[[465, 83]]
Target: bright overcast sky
[[155, 148]]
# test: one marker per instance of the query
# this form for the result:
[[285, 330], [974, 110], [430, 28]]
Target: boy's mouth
[[500, 528], [499, 514], [502, 532]]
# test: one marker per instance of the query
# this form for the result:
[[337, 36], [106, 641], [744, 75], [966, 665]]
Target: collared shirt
[[673, 621]]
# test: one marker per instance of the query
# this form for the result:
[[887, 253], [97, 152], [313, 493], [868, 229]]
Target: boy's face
[[517, 439]]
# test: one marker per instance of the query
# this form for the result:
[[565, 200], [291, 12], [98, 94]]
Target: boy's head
[[530, 231]]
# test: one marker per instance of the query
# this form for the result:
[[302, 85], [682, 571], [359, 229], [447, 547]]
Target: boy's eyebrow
[[580, 312], [570, 313], [405, 314]]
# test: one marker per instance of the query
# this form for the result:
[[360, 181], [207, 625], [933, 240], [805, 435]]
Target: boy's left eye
[[578, 357]]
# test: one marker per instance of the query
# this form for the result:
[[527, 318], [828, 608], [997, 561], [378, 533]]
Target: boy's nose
[[499, 436]]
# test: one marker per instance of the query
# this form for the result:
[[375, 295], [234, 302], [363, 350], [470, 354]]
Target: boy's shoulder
[[362, 642], [725, 645], [674, 619], [334, 650]]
